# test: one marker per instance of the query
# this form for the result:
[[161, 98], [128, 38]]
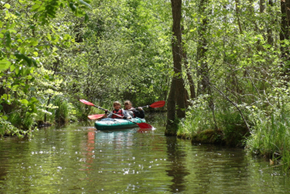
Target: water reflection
[[89, 149], [83, 160], [177, 169], [216, 168]]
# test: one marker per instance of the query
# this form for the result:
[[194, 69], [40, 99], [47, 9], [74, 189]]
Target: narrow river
[[77, 159]]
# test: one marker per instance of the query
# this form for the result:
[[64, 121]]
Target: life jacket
[[118, 112]]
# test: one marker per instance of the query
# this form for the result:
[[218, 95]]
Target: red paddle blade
[[158, 104], [96, 116], [87, 102], [144, 126]]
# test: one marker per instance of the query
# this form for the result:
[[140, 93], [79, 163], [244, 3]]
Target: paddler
[[118, 111], [134, 112]]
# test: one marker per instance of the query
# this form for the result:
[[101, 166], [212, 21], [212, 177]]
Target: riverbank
[[269, 134]]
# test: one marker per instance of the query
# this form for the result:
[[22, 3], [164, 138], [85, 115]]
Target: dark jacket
[[136, 113]]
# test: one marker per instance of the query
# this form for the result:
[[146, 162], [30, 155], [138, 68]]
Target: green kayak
[[109, 123]]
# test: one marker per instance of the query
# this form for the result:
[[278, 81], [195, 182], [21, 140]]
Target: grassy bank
[[224, 126], [268, 134]]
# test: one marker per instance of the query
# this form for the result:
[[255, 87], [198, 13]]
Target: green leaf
[[35, 7], [72, 6], [28, 60], [7, 6], [5, 97], [17, 71], [4, 64], [48, 37], [34, 42], [7, 39], [12, 67], [33, 100], [86, 17], [24, 101]]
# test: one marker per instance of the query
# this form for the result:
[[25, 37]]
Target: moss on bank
[[209, 136]]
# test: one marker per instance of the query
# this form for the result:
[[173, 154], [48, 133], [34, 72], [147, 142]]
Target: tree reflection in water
[[177, 169]]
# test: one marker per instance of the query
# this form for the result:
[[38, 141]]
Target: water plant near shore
[[270, 136]]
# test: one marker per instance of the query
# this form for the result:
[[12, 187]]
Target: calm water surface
[[78, 159]]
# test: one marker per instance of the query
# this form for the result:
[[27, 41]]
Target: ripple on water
[[81, 160]]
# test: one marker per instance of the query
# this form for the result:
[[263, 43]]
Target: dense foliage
[[56, 52], [235, 64], [239, 56]]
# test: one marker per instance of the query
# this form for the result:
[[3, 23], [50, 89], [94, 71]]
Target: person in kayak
[[117, 111], [134, 112]]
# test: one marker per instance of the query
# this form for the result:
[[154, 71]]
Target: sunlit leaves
[[4, 64], [24, 50], [24, 58], [7, 6]]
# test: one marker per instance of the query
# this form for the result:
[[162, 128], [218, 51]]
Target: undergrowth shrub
[[270, 134], [22, 120], [196, 119], [232, 126], [61, 113], [228, 124], [6, 128]]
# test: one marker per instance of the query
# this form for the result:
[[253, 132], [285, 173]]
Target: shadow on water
[[177, 170]]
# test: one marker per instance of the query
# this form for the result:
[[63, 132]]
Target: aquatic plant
[[270, 136]]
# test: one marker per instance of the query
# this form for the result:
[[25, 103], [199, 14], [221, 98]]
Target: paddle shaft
[[157, 104]]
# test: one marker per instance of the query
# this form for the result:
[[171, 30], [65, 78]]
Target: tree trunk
[[262, 6], [188, 75], [171, 125], [176, 95], [238, 15], [270, 38], [285, 24], [203, 71]]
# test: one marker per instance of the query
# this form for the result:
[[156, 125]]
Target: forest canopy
[[56, 52]]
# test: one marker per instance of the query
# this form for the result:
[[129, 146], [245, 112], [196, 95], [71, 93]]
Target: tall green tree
[[177, 90], [285, 33]]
